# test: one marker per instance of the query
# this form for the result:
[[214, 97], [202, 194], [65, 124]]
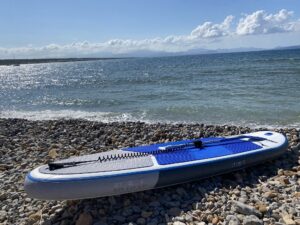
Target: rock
[[252, 220], [178, 223], [209, 218], [287, 219], [146, 214], [174, 211], [297, 195], [297, 221], [3, 196], [3, 215], [65, 222], [112, 200], [84, 219], [141, 221], [100, 223], [52, 153], [35, 217], [188, 218], [231, 220], [27, 200], [4, 167], [262, 208], [197, 205], [179, 218], [245, 209], [119, 218], [215, 220], [289, 173], [200, 223], [270, 194]]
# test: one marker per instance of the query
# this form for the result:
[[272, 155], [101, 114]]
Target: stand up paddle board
[[153, 166]]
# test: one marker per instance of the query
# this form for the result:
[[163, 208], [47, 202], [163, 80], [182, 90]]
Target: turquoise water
[[253, 89]]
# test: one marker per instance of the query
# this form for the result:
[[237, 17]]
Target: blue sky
[[35, 28]]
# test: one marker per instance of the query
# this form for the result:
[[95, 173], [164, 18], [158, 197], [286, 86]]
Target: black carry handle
[[58, 165]]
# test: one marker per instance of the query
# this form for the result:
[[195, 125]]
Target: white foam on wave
[[68, 114], [108, 117]]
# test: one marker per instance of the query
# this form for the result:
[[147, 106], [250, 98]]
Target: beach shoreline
[[268, 193]]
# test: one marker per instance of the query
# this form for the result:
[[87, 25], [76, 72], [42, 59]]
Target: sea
[[255, 89]]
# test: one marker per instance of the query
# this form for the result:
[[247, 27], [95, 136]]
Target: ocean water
[[252, 89]]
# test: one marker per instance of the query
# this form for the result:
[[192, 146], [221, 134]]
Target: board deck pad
[[107, 166], [230, 147]]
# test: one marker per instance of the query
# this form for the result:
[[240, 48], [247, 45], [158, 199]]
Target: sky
[[81, 28]]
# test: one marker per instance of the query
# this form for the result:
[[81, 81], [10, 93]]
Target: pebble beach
[[266, 194]]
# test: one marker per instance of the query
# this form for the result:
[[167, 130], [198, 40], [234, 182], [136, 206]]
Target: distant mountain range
[[143, 53], [288, 47], [199, 51]]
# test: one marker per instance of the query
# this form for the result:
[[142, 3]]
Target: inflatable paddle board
[[153, 166]]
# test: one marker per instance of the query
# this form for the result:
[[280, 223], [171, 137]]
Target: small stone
[[215, 220], [119, 218], [35, 217], [100, 223], [283, 180], [178, 223], [3, 215], [252, 220], [197, 205], [146, 214], [209, 218], [141, 221], [188, 218], [270, 194], [179, 218], [127, 202], [84, 219], [280, 172], [52, 153], [200, 223], [3, 196], [231, 220], [287, 219], [245, 209], [154, 204], [297, 195], [174, 211], [262, 208], [101, 212], [112, 200], [297, 221], [65, 222], [289, 173]]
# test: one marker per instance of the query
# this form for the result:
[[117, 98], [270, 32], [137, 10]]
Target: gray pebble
[[252, 220], [242, 208], [231, 220]]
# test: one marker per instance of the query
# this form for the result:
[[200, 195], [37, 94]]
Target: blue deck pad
[[230, 147]]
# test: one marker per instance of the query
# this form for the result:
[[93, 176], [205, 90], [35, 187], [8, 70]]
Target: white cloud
[[210, 30], [205, 35], [260, 22]]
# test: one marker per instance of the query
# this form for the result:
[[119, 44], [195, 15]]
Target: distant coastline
[[17, 62]]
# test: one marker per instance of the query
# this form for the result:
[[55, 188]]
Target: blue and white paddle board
[[153, 166]]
